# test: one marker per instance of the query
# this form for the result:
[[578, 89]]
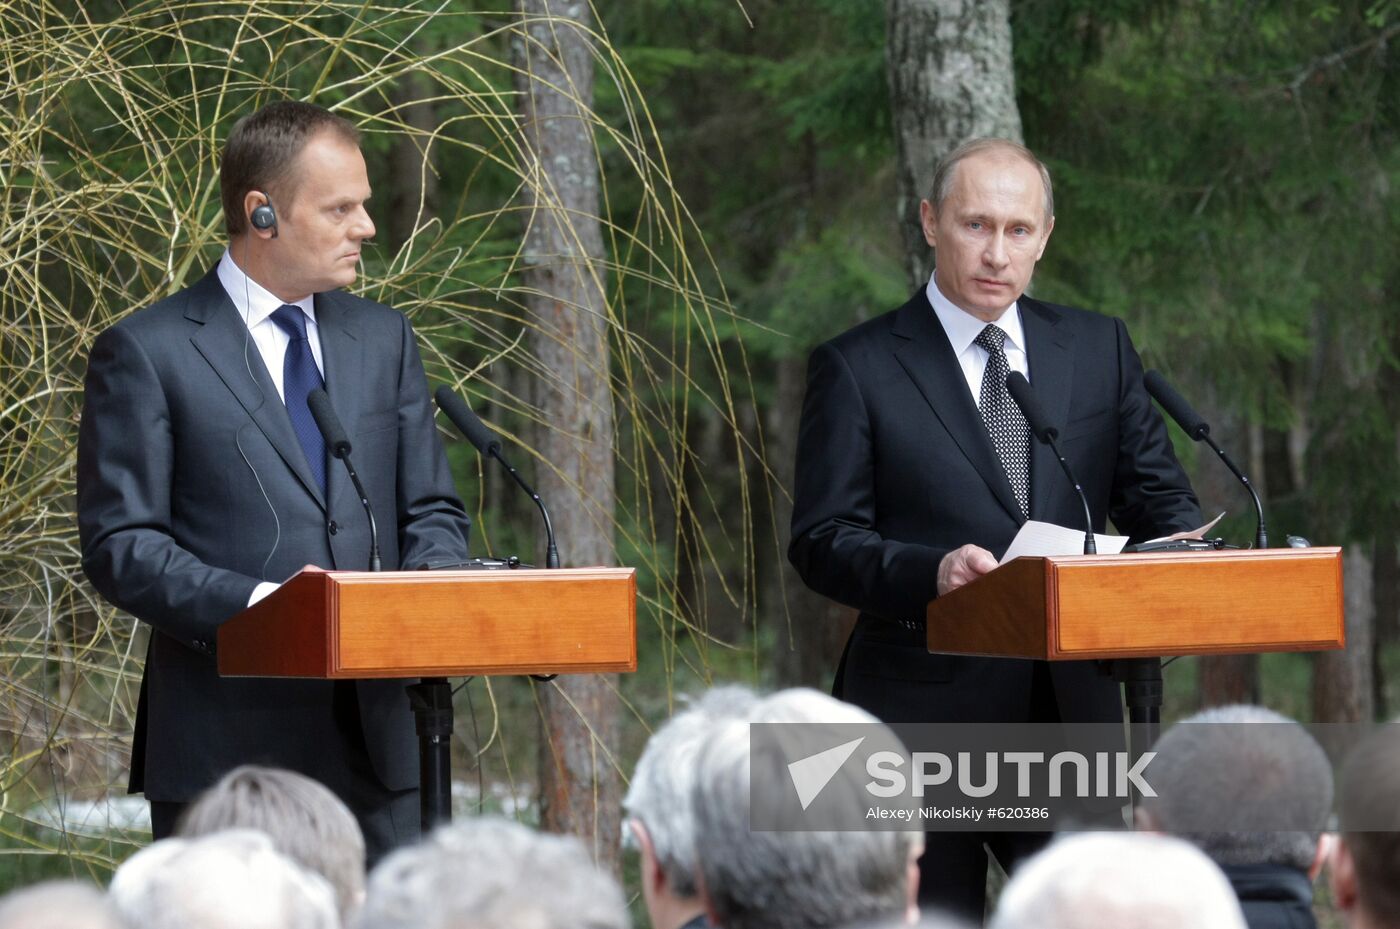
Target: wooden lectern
[[434, 625], [1130, 609]]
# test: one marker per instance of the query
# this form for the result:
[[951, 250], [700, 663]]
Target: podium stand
[[1131, 609], [434, 625]]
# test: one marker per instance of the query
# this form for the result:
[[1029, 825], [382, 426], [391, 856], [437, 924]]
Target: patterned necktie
[[300, 376], [1010, 435]]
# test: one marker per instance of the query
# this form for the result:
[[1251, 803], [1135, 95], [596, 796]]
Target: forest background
[[620, 228]]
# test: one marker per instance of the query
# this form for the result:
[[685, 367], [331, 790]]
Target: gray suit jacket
[[192, 489]]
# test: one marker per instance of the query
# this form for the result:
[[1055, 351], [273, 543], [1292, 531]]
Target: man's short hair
[[1249, 766], [1368, 802], [943, 175], [791, 879], [305, 821], [659, 796], [228, 880], [492, 874], [1125, 880], [261, 154], [58, 905]]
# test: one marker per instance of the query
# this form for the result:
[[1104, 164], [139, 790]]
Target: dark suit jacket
[[895, 469], [182, 434]]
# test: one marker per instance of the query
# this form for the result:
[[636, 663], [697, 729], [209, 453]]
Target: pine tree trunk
[[1342, 691], [579, 786], [809, 630], [1224, 679], [414, 195], [1387, 596], [951, 79]]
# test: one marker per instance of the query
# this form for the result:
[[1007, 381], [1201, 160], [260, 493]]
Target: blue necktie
[[300, 376]]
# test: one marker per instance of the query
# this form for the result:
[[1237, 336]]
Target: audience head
[[793, 879], [1220, 767], [228, 880], [491, 874], [305, 821], [58, 905], [660, 818], [1366, 864], [1124, 880]]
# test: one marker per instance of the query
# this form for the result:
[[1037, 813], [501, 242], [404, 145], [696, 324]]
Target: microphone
[[471, 426], [1199, 431], [1025, 398], [339, 445]]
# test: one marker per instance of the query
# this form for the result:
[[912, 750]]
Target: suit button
[[332, 528]]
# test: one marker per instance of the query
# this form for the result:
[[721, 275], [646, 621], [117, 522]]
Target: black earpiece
[[265, 217]]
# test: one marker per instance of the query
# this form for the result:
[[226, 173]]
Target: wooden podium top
[[360, 624], [1142, 605]]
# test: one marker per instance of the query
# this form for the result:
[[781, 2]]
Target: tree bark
[[1224, 679], [414, 194], [951, 79], [1342, 691], [564, 285], [808, 629]]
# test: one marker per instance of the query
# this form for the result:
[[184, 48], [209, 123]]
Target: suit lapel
[[922, 349], [342, 354], [1050, 354], [226, 345]]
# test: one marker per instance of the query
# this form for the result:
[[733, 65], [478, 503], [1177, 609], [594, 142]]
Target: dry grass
[[111, 118]]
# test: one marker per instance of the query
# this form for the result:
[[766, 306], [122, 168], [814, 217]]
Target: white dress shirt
[[255, 305], [962, 328]]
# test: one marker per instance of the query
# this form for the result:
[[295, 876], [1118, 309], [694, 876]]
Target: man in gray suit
[[203, 482]]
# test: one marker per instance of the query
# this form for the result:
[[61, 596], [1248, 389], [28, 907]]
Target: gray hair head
[[659, 796], [1367, 807], [305, 821], [58, 905], [1247, 766], [943, 176], [791, 879], [1124, 880], [491, 874], [228, 880]]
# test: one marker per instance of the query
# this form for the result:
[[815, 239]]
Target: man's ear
[[1343, 877], [1045, 239], [653, 877], [911, 892], [1325, 843], [711, 912], [928, 221], [251, 201], [1144, 821]]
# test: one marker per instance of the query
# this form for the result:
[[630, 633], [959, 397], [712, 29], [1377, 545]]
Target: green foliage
[[1222, 177]]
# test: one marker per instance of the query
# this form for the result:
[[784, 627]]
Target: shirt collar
[[259, 303], [963, 328]]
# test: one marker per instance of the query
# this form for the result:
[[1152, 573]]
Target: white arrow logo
[[811, 774]]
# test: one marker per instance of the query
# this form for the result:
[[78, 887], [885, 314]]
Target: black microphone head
[[329, 424], [1176, 406], [467, 422], [1021, 392]]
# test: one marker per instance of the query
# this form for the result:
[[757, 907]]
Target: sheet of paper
[[1039, 539], [1194, 533]]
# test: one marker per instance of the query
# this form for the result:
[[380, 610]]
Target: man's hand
[[963, 565]]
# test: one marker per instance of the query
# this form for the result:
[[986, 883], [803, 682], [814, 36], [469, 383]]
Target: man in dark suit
[[915, 470], [203, 481]]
